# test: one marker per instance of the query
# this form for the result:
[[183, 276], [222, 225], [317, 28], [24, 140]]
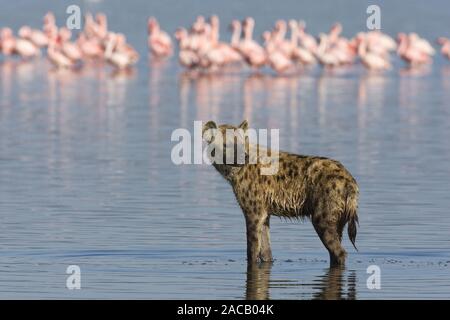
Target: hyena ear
[[243, 125], [208, 126]]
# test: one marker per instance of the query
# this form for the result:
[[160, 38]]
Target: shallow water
[[86, 176]]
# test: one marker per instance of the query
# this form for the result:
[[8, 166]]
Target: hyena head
[[226, 144]]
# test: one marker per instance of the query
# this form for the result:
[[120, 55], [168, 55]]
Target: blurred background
[[86, 176]]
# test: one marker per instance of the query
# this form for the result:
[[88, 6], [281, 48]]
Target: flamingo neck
[[294, 35], [236, 34], [362, 49], [215, 33], [248, 32]]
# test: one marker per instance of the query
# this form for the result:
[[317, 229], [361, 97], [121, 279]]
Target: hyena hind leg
[[330, 233]]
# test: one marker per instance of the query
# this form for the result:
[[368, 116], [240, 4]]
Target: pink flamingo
[[68, 48], [323, 54], [49, 23], [378, 40], [252, 52], [20, 46], [96, 27], [279, 38], [90, 26], [236, 29], [212, 53], [159, 41], [90, 47], [372, 43], [275, 56], [8, 41], [445, 49], [299, 53], [26, 49], [101, 29], [37, 37], [56, 57], [371, 60], [54, 50], [412, 54], [421, 44], [307, 40], [340, 47], [230, 54], [119, 59], [187, 57], [125, 48], [334, 33]]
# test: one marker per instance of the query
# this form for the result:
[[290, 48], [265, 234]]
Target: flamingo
[[275, 56], [119, 59], [236, 29], [37, 37], [19, 46], [89, 26], [382, 40], [334, 33], [340, 47], [445, 49], [90, 47], [123, 47], [187, 57], [323, 55], [58, 58], [70, 49], [101, 29], [159, 41], [279, 38], [49, 23], [252, 52], [26, 49], [299, 53], [421, 44], [230, 54], [371, 60], [412, 53], [307, 40], [8, 41]]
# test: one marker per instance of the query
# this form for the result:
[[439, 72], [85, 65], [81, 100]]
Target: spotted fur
[[317, 188]]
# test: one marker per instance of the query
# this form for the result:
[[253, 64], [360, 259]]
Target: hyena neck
[[227, 171]]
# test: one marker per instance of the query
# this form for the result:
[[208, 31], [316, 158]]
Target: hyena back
[[317, 188]]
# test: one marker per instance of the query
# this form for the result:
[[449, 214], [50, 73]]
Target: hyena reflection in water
[[303, 187]]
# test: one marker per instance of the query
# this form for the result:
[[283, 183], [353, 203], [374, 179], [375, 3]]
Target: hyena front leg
[[254, 221], [266, 252]]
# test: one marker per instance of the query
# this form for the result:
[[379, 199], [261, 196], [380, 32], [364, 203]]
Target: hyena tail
[[352, 216]]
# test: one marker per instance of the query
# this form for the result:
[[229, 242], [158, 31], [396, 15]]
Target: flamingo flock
[[200, 48], [286, 47], [94, 42]]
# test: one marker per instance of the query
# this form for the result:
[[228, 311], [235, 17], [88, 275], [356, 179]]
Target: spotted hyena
[[317, 188]]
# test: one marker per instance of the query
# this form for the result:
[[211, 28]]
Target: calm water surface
[[86, 176]]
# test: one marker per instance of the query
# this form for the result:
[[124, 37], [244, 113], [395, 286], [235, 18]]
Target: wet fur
[[317, 188]]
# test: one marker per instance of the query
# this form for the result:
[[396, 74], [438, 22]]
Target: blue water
[[86, 177]]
